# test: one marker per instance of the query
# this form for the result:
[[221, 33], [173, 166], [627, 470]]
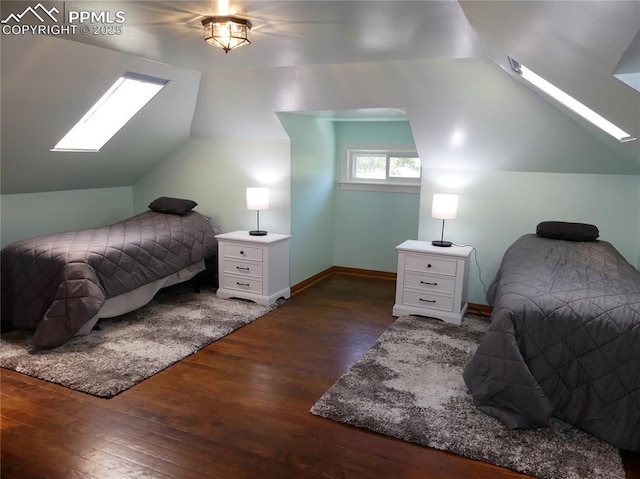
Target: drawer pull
[[429, 265], [430, 284], [242, 269], [242, 252], [427, 300], [247, 285]]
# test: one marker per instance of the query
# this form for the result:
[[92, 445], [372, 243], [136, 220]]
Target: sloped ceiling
[[49, 82], [577, 46]]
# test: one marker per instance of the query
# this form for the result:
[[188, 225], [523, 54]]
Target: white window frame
[[348, 181]]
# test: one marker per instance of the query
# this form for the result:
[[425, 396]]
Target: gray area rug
[[133, 347], [409, 385]]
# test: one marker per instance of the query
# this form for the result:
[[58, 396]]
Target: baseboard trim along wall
[[311, 280], [482, 310]]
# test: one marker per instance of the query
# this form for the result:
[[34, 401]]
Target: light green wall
[[37, 214], [331, 227], [509, 135], [524, 161], [370, 224], [216, 173], [495, 208], [312, 194]]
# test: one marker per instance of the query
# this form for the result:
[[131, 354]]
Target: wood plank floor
[[239, 408]]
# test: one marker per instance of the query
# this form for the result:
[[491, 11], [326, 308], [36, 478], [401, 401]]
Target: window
[[112, 111], [380, 168], [570, 102]]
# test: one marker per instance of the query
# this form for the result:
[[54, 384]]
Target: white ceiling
[[291, 32], [578, 45]]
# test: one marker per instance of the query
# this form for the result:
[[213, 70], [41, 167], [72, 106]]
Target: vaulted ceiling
[[49, 82]]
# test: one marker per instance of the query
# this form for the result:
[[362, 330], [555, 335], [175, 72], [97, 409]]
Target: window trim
[[348, 182]]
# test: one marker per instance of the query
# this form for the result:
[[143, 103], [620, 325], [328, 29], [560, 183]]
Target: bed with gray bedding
[[55, 284], [564, 340]]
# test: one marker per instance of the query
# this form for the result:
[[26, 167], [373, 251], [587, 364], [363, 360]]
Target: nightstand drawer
[[430, 264], [238, 267], [428, 300], [242, 251], [428, 282], [242, 284]]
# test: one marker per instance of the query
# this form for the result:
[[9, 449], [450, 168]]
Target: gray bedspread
[[564, 340], [56, 283]]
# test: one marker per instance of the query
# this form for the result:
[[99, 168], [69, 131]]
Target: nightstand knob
[[429, 265], [242, 253]]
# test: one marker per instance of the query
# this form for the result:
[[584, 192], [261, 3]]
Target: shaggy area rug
[[409, 385], [133, 347]]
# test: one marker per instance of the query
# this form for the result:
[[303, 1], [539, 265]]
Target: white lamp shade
[[258, 198], [445, 207]]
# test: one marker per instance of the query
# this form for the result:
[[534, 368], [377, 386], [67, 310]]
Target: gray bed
[[59, 285], [564, 340]]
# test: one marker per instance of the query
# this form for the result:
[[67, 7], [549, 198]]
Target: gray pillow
[[567, 231], [174, 206]]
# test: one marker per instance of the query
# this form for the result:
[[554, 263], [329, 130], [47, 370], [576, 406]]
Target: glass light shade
[[226, 32], [444, 207], [258, 198]]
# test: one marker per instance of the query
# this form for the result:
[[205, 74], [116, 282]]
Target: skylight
[[570, 102], [118, 105]]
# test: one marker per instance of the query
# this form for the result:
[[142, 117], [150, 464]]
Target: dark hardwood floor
[[239, 408]]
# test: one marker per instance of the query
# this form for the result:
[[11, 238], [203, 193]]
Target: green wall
[[215, 174], [332, 227], [28, 215], [312, 194], [370, 224], [497, 207]]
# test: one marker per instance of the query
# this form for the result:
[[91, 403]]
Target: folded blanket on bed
[[56, 283]]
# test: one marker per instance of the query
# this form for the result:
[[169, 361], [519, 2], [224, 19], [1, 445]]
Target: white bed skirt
[[132, 300]]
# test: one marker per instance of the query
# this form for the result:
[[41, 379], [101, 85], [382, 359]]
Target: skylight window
[[118, 105], [570, 102]]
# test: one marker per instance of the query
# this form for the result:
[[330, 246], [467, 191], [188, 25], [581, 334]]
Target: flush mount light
[[570, 102], [226, 32]]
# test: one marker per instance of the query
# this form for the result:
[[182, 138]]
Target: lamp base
[[258, 233], [440, 243]]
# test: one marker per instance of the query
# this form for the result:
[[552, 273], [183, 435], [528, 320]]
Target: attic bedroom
[[437, 86]]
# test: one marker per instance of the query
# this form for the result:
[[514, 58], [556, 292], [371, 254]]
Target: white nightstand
[[431, 280], [253, 267]]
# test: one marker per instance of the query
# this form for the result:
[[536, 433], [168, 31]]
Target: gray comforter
[[564, 340], [54, 284]]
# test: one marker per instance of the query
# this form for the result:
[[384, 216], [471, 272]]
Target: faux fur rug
[[133, 347], [409, 385]]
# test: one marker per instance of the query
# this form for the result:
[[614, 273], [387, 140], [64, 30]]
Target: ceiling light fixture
[[226, 32], [570, 102]]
